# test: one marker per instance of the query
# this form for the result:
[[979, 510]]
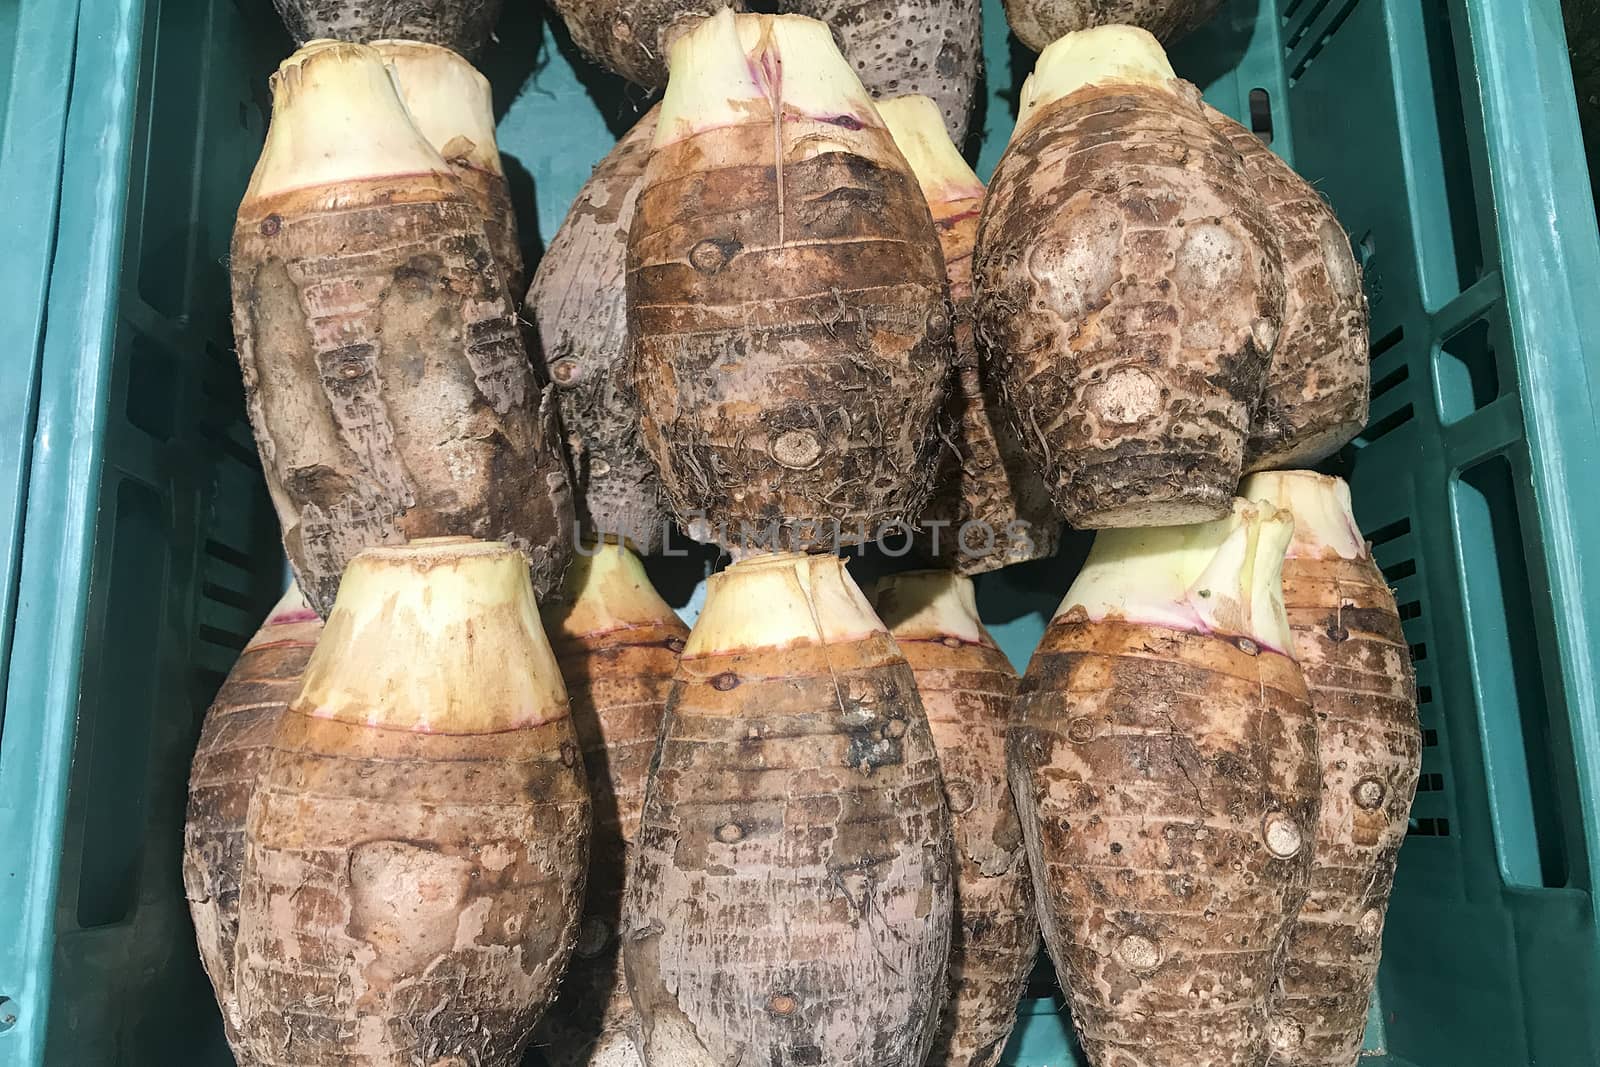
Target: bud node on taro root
[[967, 687], [617, 643], [1167, 783], [460, 25], [384, 372], [793, 886], [1129, 290], [1363, 692], [415, 834], [788, 372]]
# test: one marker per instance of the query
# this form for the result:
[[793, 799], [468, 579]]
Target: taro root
[[1038, 22], [617, 643], [634, 37], [791, 901], [234, 742], [1358, 670], [451, 106], [786, 296], [933, 48], [385, 377], [416, 846], [459, 25], [967, 687], [1318, 384], [989, 508], [1164, 763], [1129, 290], [578, 302]]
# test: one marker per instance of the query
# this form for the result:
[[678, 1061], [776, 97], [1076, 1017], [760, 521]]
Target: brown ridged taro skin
[[234, 742], [450, 104], [985, 477], [791, 342], [1129, 296], [1358, 670], [618, 681], [460, 25], [632, 37], [792, 900], [1168, 788], [492, 195], [386, 379], [967, 689], [408, 894], [578, 303], [1039, 22], [932, 48], [1319, 382]]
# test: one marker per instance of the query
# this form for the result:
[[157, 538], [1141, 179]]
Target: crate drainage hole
[[1261, 115], [8, 1014]]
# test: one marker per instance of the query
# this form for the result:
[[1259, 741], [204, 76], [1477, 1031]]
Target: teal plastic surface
[[139, 550], [35, 67]]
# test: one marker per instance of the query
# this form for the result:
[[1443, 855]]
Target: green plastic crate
[[138, 550]]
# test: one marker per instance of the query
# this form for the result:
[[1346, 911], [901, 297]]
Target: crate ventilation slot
[[1289, 8], [1524, 752], [1466, 372], [1302, 34], [1389, 340], [1432, 782], [216, 635], [1429, 828], [1389, 531], [1389, 381], [1399, 571], [221, 594], [1430, 739], [1298, 16], [151, 403], [1381, 428], [228, 554]]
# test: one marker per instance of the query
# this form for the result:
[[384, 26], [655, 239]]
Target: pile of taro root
[[474, 795]]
